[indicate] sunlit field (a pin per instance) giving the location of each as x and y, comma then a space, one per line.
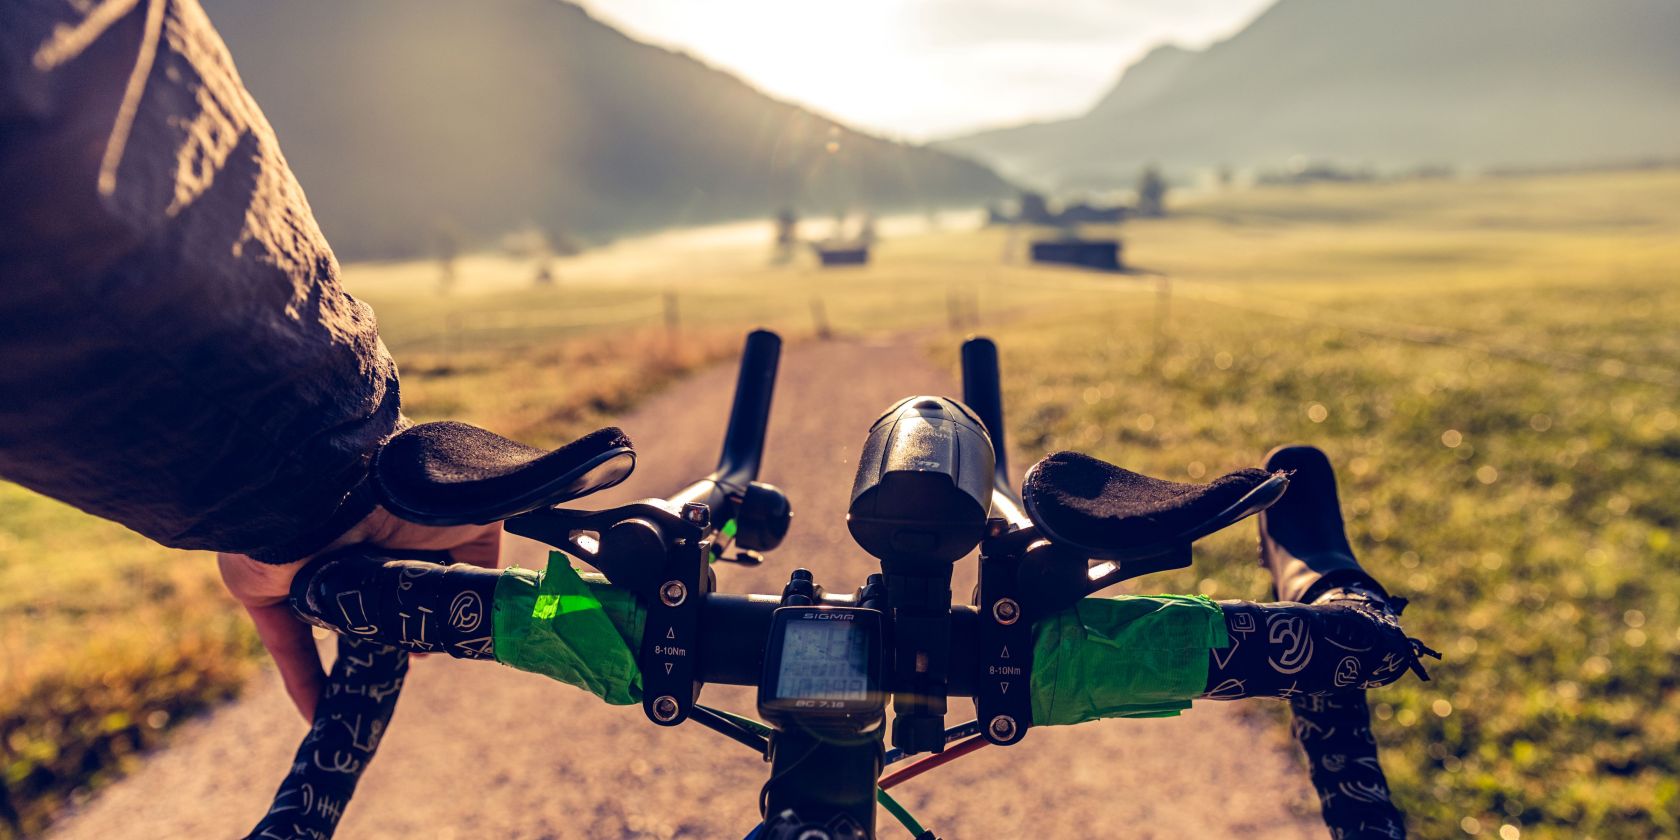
1494, 375
1491, 364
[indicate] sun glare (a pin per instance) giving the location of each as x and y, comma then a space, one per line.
926, 68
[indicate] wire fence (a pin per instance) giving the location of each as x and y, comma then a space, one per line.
471, 329
508, 326
1166, 288
1562, 360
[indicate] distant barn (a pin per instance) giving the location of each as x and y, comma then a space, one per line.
1099, 254
851, 253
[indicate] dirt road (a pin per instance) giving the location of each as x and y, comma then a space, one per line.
478, 751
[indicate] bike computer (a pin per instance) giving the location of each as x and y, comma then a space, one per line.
822, 669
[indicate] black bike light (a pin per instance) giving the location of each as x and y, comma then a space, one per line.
920, 501
924, 483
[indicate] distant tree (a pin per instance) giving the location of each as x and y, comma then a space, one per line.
545, 274
787, 234
1035, 209
1152, 193
866, 229
1227, 176
838, 232
534, 243
562, 243
446, 245
787, 226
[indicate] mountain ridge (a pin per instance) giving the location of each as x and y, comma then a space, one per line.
418, 125
1498, 82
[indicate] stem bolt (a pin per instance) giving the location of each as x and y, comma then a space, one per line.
697, 514
1002, 727
665, 708
1006, 611
673, 593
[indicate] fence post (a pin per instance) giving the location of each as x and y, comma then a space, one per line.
1163, 311
451, 337
671, 318
819, 315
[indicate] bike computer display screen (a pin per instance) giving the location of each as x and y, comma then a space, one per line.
823, 662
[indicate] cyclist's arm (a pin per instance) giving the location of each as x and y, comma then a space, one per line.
176, 353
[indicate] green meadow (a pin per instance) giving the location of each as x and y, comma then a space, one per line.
1493, 368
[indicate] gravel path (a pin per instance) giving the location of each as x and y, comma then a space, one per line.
481, 751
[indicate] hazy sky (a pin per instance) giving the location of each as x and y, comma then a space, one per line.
923, 68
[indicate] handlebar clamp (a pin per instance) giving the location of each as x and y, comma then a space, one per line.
620, 543
1003, 666
671, 638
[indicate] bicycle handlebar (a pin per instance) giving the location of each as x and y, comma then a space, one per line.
376, 598
351, 715
383, 609
369, 600
743, 439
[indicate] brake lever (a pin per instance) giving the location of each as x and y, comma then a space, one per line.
744, 557
1109, 572
625, 543
1054, 577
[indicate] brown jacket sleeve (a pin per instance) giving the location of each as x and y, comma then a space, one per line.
176, 353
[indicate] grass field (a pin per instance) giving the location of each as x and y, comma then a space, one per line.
1492, 365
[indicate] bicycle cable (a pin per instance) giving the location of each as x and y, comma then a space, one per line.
955, 733
933, 761
756, 728
734, 730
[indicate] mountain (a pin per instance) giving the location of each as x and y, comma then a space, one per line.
1392, 84
410, 122
1145, 81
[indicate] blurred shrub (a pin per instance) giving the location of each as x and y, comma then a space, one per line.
103, 677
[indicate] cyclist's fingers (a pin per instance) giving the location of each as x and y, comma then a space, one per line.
254, 583
483, 550
292, 645
381, 528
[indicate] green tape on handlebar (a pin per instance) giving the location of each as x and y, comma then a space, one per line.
574, 628
1133, 656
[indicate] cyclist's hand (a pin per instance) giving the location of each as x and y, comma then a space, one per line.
263, 587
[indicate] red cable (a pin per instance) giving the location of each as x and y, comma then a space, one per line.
933, 761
